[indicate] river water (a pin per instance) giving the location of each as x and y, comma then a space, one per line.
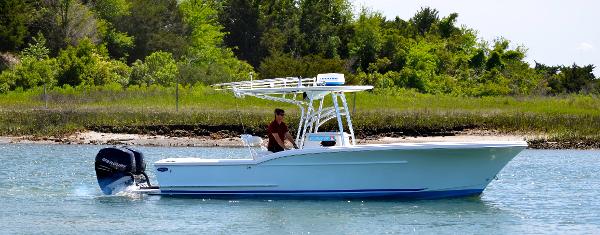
51, 189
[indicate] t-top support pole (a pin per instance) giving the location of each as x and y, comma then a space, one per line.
298, 142
339, 116
348, 118
318, 121
306, 118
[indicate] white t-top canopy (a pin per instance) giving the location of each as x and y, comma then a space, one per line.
287, 90
313, 90
289, 85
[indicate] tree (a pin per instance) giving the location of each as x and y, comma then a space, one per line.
425, 19
446, 25
118, 43
367, 41
575, 78
280, 25
323, 24
110, 13
396, 43
162, 68
525, 80
38, 49
478, 60
549, 74
206, 50
15, 15
420, 68
156, 25
545, 69
110, 10
88, 64
158, 68
67, 22
35, 68
494, 61
240, 18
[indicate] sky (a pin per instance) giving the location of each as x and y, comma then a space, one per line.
556, 32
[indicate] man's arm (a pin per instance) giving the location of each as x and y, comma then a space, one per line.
289, 137
278, 140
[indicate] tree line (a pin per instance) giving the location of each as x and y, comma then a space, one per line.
145, 42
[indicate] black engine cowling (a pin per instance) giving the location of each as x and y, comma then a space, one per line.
140, 165
118, 168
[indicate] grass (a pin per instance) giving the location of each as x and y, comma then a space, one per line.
203, 110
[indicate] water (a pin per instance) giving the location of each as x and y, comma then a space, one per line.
51, 189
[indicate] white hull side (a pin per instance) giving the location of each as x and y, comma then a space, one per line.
377, 171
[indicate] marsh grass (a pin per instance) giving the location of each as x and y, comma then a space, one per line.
376, 113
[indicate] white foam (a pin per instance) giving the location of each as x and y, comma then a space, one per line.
131, 191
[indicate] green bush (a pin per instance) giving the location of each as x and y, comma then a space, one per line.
379, 81
89, 64
32, 72
410, 78
34, 69
139, 71
7, 80
158, 68
492, 83
109, 72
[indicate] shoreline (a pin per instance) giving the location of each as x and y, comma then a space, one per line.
102, 138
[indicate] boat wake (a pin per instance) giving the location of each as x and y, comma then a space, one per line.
131, 191
84, 191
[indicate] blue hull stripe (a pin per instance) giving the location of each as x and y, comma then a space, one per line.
296, 191
366, 193
334, 83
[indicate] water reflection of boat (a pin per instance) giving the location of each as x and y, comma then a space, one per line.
316, 169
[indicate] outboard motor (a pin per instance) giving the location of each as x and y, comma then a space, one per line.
118, 168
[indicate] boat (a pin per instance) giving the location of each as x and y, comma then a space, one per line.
327, 164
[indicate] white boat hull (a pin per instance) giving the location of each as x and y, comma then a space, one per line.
427, 170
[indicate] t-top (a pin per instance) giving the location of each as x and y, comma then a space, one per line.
280, 129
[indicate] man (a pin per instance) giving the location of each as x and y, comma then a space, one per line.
278, 133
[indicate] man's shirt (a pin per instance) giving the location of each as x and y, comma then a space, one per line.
280, 129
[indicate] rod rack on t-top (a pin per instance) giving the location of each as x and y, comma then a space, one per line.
304, 93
